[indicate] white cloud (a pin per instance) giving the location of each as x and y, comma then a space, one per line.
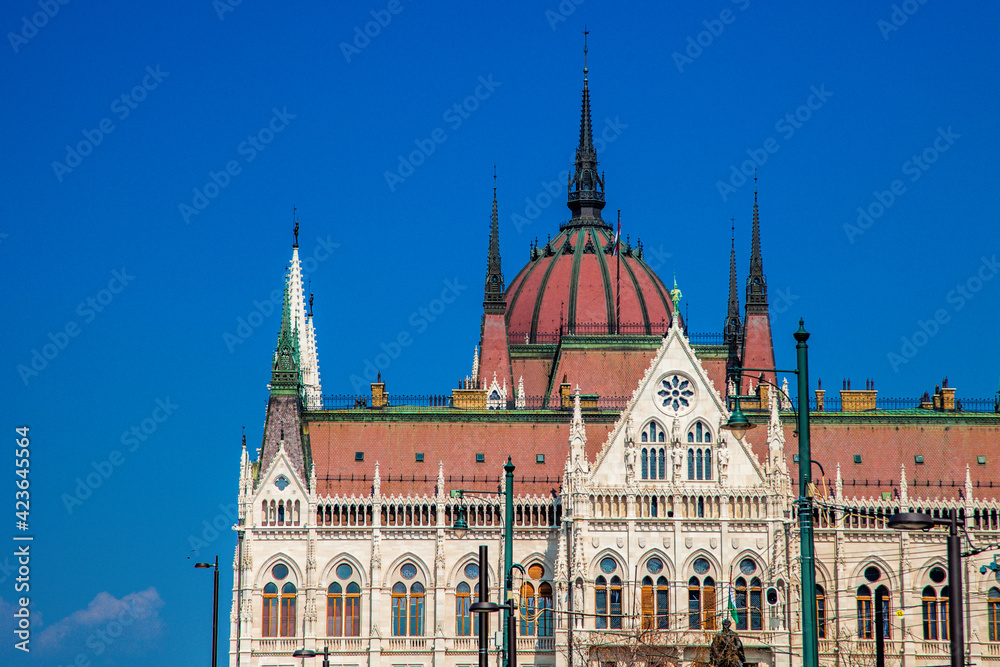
106, 627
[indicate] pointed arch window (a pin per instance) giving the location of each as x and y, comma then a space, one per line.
335, 610
701, 603
601, 603
545, 610
820, 612
756, 605
655, 601
270, 613
463, 617
417, 610
741, 604
700, 454
399, 607
935, 613
654, 459
866, 617
286, 625
993, 614
527, 609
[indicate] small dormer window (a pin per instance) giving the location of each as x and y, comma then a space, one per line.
281, 482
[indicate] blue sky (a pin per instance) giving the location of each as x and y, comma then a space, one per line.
120, 115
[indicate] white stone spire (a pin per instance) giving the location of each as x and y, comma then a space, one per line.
302, 323
475, 366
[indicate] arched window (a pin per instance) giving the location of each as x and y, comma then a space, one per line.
286, 626
335, 610
756, 605
699, 470
615, 604
662, 459
352, 615
701, 601
645, 463
708, 464
866, 617
343, 612
690, 464
741, 604
545, 610
820, 612
993, 614
417, 610
527, 609
882, 598
270, 625
463, 617
399, 609
930, 612
865, 621
655, 603
601, 603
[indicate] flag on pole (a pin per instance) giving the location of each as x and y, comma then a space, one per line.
617, 236
732, 603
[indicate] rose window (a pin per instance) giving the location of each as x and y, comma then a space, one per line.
676, 393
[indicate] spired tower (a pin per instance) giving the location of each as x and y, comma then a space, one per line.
758, 348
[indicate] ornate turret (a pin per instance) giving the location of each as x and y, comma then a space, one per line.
285, 376
586, 186
494, 353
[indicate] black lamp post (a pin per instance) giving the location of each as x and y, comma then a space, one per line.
309, 653
215, 610
956, 625
484, 607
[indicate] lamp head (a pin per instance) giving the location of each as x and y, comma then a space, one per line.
738, 423
910, 521
304, 653
203, 565
461, 526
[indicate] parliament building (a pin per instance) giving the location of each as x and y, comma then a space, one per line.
639, 522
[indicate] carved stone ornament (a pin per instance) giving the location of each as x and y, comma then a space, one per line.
666, 543
621, 541
642, 542
736, 543
595, 541
714, 542
688, 542
761, 541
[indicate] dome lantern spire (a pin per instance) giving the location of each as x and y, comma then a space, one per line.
586, 187
494, 301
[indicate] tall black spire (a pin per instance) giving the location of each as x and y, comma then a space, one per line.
756, 281
586, 186
493, 301
732, 331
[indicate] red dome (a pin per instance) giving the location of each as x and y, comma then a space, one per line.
568, 287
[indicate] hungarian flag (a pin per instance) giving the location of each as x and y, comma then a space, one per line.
617, 236
732, 603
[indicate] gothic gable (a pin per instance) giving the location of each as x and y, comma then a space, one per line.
670, 430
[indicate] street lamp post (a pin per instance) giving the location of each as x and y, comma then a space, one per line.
215, 610
739, 425
956, 626
461, 527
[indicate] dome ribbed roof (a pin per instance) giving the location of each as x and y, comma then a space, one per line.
568, 287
